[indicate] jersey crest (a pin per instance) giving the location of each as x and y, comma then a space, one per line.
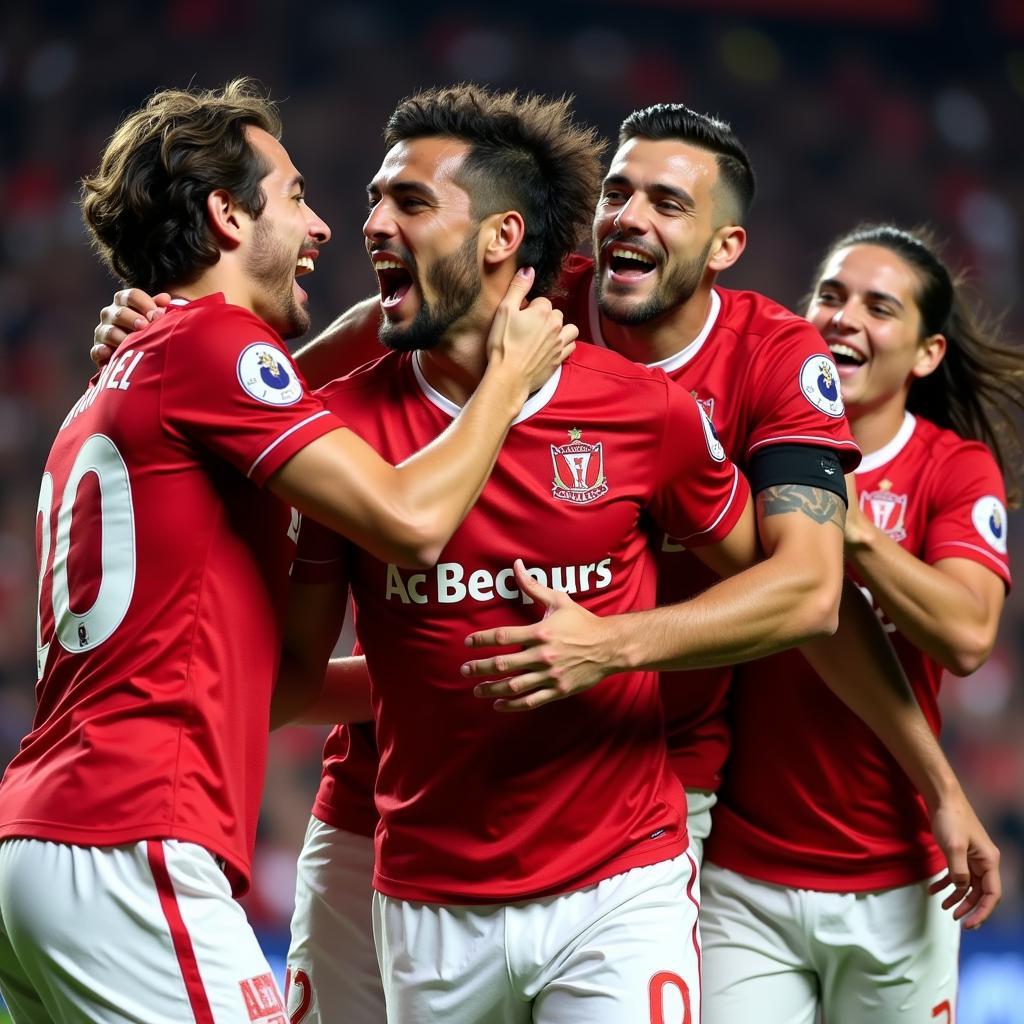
266, 374
989, 518
819, 382
887, 510
578, 470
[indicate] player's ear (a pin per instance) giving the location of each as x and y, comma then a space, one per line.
225, 217
930, 352
727, 245
501, 235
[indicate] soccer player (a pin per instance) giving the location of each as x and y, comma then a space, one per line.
128, 816
527, 867
816, 891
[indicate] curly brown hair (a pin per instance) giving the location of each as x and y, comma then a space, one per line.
145, 207
526, 154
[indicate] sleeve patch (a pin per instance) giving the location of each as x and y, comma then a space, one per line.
267, 375
819, 382
715, 449
989, 518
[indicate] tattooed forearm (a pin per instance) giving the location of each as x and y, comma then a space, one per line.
820, 505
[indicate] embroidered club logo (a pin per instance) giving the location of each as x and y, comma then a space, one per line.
579, 470
262, 1001
715, 448
989, 518
887, 510
266, 374
819, 382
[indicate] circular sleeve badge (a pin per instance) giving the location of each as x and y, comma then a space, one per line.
268, 375
989, 518
819, 382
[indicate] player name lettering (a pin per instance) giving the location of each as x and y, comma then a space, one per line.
116, 376
448, 582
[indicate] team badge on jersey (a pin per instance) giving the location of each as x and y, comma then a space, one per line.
887, 510
715, 448
266, 374
819, 381
989, 518
579, 470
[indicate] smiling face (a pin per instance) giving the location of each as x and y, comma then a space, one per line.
654, 228
865, 306
285, 242
422, 238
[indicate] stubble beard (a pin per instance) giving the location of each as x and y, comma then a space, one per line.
456, 281
670, 294
272, 265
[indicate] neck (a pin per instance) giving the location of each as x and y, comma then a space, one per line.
874, 428
456, 366
218, 278
663, 337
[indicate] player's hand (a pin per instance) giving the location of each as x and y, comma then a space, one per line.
857, 525
563, 654
972, 863
528, 341
131, 310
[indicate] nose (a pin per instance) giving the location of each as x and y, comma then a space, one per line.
318, 229
845, 318
379, 223
632, 216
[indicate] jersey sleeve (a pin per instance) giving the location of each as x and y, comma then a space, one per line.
230, 386
967, 511
700, 494
796, 395
321, 555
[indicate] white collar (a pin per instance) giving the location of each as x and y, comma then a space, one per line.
876, 459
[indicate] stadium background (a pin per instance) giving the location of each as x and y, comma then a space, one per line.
908, 110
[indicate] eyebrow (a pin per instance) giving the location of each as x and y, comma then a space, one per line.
297, 180
659, 187
878, 296
404, 188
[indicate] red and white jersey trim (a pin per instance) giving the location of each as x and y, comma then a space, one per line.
288, 433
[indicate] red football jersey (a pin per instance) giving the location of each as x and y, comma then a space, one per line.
764, 376
478, 806
163, 571
812, 798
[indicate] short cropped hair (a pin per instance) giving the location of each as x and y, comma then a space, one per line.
526, 153
675, 121
145, 206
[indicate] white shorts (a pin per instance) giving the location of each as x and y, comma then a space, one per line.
624, 950
147, 932
332, 966
698, 820
775, 955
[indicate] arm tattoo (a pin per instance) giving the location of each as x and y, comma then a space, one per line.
814, 502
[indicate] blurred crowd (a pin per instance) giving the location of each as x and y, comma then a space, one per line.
915, 120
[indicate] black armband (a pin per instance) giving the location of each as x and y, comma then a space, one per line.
797, 464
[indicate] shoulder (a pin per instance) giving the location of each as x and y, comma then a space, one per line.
755, 317
599, 363
364, 383
943, 448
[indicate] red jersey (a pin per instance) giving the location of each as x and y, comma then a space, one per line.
764, 377
478, 806
812, 798
163, 572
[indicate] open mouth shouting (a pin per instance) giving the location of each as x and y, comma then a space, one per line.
304, 265
627, 263
393, 277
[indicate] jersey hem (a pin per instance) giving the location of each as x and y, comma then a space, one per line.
464, 897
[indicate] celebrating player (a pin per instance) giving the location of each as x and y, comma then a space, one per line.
129, 813
816, 894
